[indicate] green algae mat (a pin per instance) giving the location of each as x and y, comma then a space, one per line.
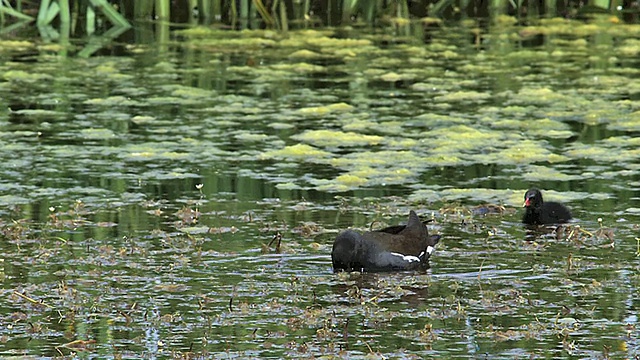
181, 201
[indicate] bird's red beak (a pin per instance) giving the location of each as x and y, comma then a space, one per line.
527, 202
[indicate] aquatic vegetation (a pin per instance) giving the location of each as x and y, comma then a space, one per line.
331, 138
198, 186
23, 76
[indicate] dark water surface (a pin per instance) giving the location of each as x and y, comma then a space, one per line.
112, 249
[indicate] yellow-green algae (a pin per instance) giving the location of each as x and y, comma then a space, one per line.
365, 124
438, 120
393, 77
631, 122
172, 100
300, 68
523, 152
536, 127
458, 138
383, 158
333, 138
621, 141
350, 180
629, 48
304, 54
325, 109
605, 154
112, 101
324, 42
365, 176
287, 186
15, 45
539, 96
97, 134
23, 76
509, 197
298, 151
37, 113
251, 137
142, 119
192, 92
546, 173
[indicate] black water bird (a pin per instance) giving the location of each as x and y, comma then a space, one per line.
538, 212
396, 248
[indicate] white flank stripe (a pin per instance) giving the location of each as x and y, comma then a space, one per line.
409, 258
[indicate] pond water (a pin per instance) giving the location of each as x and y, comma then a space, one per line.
141, 193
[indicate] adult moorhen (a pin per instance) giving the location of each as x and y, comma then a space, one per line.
396, 248
538, 212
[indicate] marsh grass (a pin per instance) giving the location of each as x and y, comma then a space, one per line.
284, 14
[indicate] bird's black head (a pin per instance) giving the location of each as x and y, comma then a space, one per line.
532, 198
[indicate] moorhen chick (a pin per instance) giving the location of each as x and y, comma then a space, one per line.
398, 248
538, 212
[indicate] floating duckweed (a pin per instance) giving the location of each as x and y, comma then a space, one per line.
108, 68
351, 180
386, 158
450, 54
630, 47
329, 185
400, 21
324, 42
553, 134
9, 45
454, 139
300, 38
495, 196
192, 92
504, 123
432, 120
287, 186
622, 141
142, 119
247, 136
525, 152
332, 138
589, 151
112, 101
505, 20
199, 31
304, 54
296, 151
148, 155
383, 176
36, 113
542, 127
231, 44
170, 100
628, 123
544, 173
12, 200
391, 77
321, 110
195, 230
301, 68
431, 20
169, 175
29, 77
281, 126
401, 143
386, 127
539, 96
527, 56
97, 134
